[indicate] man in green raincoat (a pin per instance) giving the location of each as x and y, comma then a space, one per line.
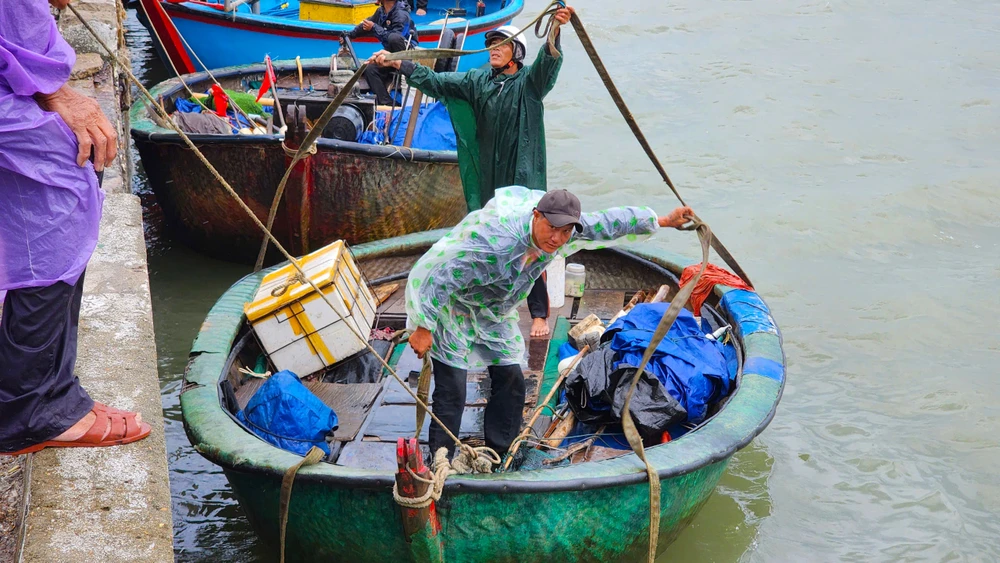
462, 295
498, 118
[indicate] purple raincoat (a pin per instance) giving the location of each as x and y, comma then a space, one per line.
50, 208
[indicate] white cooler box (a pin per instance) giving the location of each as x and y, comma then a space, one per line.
297, 328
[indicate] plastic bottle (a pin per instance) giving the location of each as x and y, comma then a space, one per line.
555, 280
576, 277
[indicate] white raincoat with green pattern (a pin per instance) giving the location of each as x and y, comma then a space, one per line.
466, 288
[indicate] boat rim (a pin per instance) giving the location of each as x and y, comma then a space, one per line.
143, 128
749, 410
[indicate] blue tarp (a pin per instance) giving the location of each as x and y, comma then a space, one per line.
434, 131
695, 370
287, 414
187, 106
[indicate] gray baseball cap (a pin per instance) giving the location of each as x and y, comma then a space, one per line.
561, 208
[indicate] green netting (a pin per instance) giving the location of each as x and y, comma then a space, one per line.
246, 102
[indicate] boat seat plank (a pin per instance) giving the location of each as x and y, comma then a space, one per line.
477, 390
605, 303
351, 402
532, 380
395, 304
399, 421
408, 362
246, 391
380, 456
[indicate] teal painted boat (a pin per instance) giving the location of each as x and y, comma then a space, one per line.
343, 510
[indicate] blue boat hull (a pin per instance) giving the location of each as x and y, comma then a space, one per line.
194, 36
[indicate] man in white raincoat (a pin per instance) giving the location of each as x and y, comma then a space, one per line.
461, 296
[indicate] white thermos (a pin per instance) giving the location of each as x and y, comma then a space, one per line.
555, 281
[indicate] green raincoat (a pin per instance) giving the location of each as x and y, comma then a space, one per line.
498, 121
466, 288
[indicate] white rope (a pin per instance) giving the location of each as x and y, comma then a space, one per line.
469, 460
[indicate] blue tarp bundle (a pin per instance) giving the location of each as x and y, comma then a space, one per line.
287, 414
187, 106
695, 370
434, 131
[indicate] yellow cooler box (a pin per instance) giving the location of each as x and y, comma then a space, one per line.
297, 328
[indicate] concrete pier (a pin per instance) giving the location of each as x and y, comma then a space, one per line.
108, 504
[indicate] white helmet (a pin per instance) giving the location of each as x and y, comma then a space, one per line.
503, 32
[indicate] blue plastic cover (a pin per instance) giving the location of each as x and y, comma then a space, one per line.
566, 351
434, 131
694, 369
186, 106
288, 415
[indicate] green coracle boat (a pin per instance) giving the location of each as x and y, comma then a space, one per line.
588, 511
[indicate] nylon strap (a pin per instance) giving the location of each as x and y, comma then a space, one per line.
423, 391
631, 432
602, 71
313, 456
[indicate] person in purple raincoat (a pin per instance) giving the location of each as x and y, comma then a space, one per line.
54, 142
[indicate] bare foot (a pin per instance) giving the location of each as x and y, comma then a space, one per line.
421, 12
539, 327
81, 427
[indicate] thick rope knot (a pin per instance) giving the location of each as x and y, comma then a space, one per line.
473, 460
290, 153
468, 460
292, 280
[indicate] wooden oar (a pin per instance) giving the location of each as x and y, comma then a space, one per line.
541, 406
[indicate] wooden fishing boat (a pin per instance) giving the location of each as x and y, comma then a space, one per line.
347, 190
343, 509
192, 33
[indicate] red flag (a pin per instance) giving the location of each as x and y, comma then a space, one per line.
221, 100
269, 78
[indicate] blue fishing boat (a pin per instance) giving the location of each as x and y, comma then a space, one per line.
195, 34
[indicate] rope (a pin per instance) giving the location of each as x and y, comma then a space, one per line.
303, 152
210, 111
292, 280
225, 184
480, 459
252, 373
292, 152
551, 28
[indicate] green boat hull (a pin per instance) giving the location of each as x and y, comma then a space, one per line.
595, 511
342, 524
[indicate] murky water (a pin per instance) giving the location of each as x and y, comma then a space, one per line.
847, 154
